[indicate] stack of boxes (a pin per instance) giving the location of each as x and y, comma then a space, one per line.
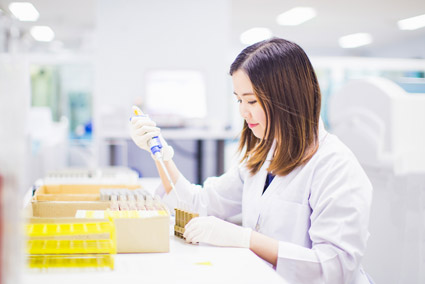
79, 196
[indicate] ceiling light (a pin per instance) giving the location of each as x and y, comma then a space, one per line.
296, 16
255, 35
24, 11
42, 33
412, 23
355, 40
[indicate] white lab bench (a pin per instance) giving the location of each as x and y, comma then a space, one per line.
185, 263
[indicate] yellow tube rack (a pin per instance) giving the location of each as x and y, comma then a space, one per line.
71, 229
70, 246
71, 261
45, 242
182, 218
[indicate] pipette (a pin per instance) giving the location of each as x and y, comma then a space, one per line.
155, 147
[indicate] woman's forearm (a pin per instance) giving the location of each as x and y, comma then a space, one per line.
173, 172
265, 247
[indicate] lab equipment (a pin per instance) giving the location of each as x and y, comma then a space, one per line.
131, 203
155, 148
167, 92
122, 199
384, 126
381, 123
140, 202
114, 203
134, 234
182, 218
92, 261
71, 245
155, 143
106, 175
51, 238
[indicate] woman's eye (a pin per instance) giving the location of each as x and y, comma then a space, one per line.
252, 102
238, 101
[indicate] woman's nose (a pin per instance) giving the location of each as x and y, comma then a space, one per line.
243, 112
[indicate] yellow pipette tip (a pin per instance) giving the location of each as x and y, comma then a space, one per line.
208, 263
137, 111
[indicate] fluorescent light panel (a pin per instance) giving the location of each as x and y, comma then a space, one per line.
24, 11
255, 35
296, 16
355, 40
413, 23
42, 33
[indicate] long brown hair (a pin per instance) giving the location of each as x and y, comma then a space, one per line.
287, 89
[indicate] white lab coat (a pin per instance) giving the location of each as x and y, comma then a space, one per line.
319, 212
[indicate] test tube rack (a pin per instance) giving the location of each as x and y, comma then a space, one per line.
182, 218
71, 245
47, 241
75, 261
131, 200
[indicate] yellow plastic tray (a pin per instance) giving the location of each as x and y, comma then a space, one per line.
70, 261
50, 230
71, 246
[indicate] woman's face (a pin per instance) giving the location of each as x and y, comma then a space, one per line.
249, 107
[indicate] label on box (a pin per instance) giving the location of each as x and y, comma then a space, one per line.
105, 214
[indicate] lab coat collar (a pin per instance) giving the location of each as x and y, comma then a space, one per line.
322, 130
271, 152
279, 182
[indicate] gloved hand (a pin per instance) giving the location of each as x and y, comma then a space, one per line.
142, 130
214, 231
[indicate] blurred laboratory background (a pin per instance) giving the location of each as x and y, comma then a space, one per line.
70, 71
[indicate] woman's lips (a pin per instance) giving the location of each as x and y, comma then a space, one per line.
252, 125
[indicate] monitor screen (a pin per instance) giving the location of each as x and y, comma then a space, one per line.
175, 93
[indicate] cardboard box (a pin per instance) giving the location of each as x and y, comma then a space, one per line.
80, 188
59, 209
66, 197
134, 235
75, 192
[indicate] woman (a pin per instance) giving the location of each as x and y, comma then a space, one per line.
304, 198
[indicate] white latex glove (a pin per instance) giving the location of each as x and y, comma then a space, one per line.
142, 130
214, 231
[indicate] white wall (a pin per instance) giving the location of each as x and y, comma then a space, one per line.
136, 36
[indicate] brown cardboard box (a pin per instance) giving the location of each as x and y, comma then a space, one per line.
79, 188
58, 209
134, 235
66, 197
74, 192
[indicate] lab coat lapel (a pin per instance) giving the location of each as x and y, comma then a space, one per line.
278, 185
254, 193
252, 197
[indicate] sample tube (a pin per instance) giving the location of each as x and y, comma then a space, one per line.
149, 203
122, 201
114, 203
131, 202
